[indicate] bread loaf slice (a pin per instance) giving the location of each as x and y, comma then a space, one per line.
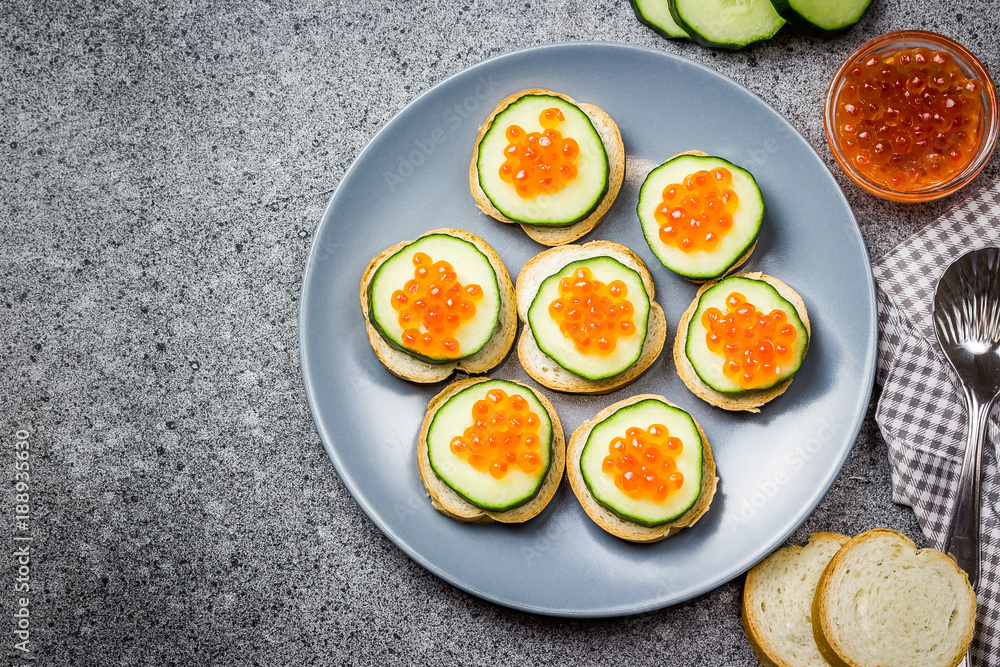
777, 602
881, 601
611, 137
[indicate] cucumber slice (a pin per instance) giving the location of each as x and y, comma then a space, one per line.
481, 488
825, 16
727, 24
552, 341
701, 265
644, 414
708, 364
571, 204
471, 267
656, 15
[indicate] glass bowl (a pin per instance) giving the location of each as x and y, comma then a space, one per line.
987, 132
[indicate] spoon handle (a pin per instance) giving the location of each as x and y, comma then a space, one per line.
962, 543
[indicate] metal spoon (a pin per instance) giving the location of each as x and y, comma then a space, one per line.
967, 324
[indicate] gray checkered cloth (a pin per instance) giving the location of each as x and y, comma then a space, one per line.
921, 413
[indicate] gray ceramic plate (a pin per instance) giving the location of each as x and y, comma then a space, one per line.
774, 467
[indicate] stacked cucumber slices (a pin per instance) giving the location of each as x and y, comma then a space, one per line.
471, 267
733, 24
578, 199
656, 14
735, 245
825, 16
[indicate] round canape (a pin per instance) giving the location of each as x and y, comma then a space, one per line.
741, 341
701, 215
548, 163
591, 324
491, 450
437, 304
642, 469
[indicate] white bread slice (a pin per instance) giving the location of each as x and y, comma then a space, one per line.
610, 521
541, 367
881, 601
611, 137
449, 503
749, 401
777, 602
410, 368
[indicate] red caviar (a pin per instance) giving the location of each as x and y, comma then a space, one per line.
754, 345
503, 435
540, 162
433, 306
592, 314
644, 463
696, 214
909, 119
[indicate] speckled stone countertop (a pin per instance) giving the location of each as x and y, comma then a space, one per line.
162, 169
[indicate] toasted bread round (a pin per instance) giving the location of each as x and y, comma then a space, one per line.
749, 401
777, 602
614, 148
449, 503
882, 601
610, 521
541, 367
410, 368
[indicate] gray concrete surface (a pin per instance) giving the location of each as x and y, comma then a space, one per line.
162, 168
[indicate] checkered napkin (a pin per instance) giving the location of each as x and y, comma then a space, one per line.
921, 413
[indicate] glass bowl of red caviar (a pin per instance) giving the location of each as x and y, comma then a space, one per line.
911, 116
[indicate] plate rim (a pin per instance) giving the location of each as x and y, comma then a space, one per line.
742, 565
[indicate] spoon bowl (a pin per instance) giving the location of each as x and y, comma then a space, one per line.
967, 320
